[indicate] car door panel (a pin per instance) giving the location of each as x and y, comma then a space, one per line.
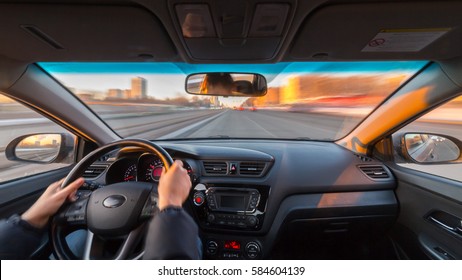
428, 206
18, 195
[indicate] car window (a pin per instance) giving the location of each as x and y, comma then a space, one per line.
427, 145
17, 120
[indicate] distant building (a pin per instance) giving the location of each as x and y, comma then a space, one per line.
271, 98
214, 101
139, 88
127, 93
301, 88
89, 94
115, 93
291, 91
85, 96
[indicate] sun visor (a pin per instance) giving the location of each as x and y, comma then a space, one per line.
82, 33
378, 31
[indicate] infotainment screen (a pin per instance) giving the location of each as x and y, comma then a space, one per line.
232, 201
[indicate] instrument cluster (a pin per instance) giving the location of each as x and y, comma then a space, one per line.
143, 168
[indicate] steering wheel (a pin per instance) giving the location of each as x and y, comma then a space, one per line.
114, 213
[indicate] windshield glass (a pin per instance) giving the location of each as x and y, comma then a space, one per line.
305, 100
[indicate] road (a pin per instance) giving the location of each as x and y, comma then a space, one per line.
271, 124
165, 124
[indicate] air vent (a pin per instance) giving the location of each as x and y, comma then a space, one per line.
375, 171
363, 158
251, 168
215, 167
94, 171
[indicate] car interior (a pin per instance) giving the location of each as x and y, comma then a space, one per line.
335, 195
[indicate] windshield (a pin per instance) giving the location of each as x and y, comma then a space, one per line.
305, 100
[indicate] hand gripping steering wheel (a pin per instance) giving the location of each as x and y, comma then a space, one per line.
114, 214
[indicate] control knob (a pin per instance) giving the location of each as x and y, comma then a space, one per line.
252, 221
211, 218
252, 250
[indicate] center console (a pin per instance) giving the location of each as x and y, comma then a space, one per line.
234, 209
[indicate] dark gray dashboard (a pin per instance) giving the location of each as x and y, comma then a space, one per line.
303, 184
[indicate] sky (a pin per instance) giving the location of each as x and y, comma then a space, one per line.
168, 79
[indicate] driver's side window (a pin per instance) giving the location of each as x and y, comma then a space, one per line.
30, 143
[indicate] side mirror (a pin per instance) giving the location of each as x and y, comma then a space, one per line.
430, 148
226, 84
41, 148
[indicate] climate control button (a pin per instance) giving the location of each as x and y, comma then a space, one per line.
252, 250
211, 247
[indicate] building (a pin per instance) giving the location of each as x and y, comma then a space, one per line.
127, 93
114, 93
214, 101
290, 92
271, 98
139, 88
299, 88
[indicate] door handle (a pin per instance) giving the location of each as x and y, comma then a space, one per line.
447, 222
454, 229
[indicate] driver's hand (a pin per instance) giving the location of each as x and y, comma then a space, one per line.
49, 202
174, 186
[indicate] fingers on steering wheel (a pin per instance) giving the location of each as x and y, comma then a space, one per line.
70, 190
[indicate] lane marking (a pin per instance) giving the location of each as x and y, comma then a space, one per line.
273, 135
186, 129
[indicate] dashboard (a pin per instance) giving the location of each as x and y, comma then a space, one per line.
260, 199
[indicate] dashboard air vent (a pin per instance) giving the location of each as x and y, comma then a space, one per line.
94, 171
251, 168
375, 171
215, 167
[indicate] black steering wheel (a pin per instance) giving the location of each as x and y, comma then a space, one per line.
114, 213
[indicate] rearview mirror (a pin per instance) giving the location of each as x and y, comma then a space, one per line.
226, 84
429, 148
40, 148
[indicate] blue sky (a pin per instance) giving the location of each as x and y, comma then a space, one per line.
167, 79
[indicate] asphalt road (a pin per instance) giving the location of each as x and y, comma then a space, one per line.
270, 124
162, 124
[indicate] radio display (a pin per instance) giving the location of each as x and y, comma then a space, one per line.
232, 245
232, 201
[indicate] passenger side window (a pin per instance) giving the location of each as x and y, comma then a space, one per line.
433, 143
39, 144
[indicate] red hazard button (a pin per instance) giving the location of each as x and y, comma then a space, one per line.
199, 199
232, 168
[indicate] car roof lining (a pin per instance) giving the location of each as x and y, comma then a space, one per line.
107, 31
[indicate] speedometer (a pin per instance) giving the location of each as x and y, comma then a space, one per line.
154, 170
149, 168
130, 173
